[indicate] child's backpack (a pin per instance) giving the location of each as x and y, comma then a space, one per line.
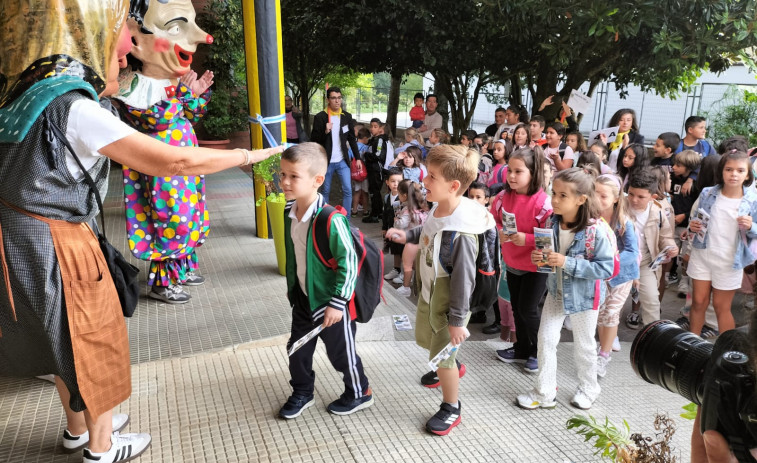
487, 269
561, 149
370, 263
591, 234
483, 174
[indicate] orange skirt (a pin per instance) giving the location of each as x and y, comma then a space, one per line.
97, 328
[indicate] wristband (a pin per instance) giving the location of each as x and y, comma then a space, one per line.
247, 157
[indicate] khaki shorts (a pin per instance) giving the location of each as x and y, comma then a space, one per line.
432, 333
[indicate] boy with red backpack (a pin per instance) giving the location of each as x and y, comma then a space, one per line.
320, 295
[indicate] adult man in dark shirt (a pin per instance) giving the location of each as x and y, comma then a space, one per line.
334, 129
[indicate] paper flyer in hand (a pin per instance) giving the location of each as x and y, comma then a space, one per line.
610, 132
509, 225
402, 322
660, 258
704, 218
445, 353
304, 340
545, 243
579, 102
635, 294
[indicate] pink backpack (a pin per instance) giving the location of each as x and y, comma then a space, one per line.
591, 234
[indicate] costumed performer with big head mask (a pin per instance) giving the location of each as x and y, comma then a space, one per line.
59, 309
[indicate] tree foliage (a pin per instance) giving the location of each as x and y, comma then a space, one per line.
544, 47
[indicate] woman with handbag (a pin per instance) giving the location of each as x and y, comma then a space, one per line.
59, 308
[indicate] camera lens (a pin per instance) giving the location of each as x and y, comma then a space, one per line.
670, 357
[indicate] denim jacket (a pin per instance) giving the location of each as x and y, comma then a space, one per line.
747, 206
582, 287
628, 247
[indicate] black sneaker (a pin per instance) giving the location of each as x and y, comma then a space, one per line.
478, 317
194, 279
445, 419
430, 379
295, 405
494, 328
172, 294
370, 219
348, 405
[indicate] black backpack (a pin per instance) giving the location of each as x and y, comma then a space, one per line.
487, 270
370, 265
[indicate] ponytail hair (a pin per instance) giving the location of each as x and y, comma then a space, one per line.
581, 181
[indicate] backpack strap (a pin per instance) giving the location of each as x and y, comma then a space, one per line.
321, 231
561, 149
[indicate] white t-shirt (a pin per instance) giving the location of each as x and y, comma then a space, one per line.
566, 239
336, 143
299, 232
639, 222
723, 232
548, 152
90, 127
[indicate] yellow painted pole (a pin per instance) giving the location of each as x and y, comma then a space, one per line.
253, 97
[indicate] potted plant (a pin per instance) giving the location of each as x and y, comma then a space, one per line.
228, 109
267, 192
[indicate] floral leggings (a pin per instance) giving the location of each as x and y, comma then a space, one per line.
615, 299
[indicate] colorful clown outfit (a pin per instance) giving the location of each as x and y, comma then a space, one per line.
166, 218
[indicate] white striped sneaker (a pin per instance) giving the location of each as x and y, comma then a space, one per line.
72, 443
123, 447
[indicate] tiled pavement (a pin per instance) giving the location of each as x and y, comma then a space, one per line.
209, 376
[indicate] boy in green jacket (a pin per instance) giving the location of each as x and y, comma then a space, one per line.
319, 295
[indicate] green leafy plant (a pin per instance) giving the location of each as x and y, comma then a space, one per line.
734, 114
266, 171
609, 439
690, 411
618, 445
227, 110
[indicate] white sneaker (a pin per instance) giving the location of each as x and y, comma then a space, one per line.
581, 400
616, 344
602, 365
404, 291
392, 275
530, 401
566, 324
49, 378
72, 443
399, 279
123, 447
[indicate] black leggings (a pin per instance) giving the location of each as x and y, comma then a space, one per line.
525, 293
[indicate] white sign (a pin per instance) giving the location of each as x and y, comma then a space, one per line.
611, 133
579, 102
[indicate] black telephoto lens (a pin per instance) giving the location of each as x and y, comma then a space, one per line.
670, 357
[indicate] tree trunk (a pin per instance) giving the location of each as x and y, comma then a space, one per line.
516, 91
305, 96
392, 106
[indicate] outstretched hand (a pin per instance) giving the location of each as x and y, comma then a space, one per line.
198, 86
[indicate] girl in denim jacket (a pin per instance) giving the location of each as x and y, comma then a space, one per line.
584, 256
721, 249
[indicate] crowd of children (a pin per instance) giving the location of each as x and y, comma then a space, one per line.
579, 229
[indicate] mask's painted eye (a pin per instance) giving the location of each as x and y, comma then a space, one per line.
174, 30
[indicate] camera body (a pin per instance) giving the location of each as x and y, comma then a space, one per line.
729, 402
720, 378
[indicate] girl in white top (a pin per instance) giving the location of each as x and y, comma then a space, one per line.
721, 245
